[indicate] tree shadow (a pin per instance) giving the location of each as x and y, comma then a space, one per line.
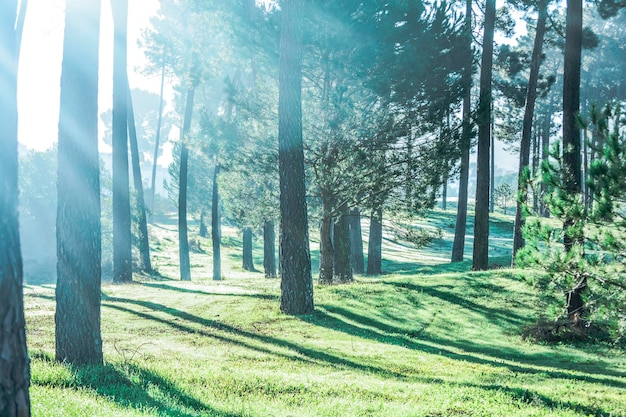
268, 297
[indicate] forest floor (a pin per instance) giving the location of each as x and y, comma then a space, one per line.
427, 339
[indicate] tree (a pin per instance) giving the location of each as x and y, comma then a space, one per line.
295, 259
14, 364
503, 195
481, 218
77, 317
122, 253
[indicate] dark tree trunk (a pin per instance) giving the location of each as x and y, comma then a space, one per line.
14, 366
295, 258
216, 227
248, 260
458, 246
356, 241
144, 245
481, 218
77, 317
122, 251
157, 143
444, 193
529, 111
183, 238
203, 229
269, 249
375, 244
327, 251
341, 240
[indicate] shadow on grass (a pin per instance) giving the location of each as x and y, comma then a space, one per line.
134, 387
269, 297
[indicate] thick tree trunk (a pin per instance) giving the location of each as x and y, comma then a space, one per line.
375, 244
327, 264
77, 317
341, 241
269, 249
157, 143
122, 250
529, 111
216, 227
248, 260
183, 238
14, 367
356, 241
458, 246
295, 259
481, 218
144, 245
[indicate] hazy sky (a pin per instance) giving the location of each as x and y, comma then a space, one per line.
40, 65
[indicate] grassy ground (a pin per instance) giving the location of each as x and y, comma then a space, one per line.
429, 339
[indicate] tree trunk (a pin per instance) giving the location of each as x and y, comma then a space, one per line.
458, 246
77, 317
269, 249
481, 218
327, 262
492, 165
216, 228
157, 143
248, 260
14, 365
529, 111
203, 232
144, 245
356, 241
295, 259
545, 145
341, 240
375, 244
183, 238
444, 193
122, 251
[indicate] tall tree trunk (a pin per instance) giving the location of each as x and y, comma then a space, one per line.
527, 124
375, 244
481, 218
269, 249
216, 227
545, 145
203, 232
122, 251
458, 246
295, 258
356, 241
14, 366
444, 193
492, 166
327, 263
341, 240
77, 317
144, 245
157, 143
248, 260
183, 238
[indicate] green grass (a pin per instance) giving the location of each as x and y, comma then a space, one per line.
429, 339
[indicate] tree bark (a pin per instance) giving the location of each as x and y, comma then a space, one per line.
157, 143
216, 228
295, 258
144, 244
375, 244
14, 365
269, 249
341, 240
458, 246
203, 232
183, 238
356, 241
481, 218
327, 264
571, 106
248, 260
527, 124
122, 250
77, 318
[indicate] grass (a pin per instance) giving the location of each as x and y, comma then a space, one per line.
428, 339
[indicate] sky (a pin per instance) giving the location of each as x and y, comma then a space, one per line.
40, 66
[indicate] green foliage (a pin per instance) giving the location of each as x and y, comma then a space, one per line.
597, 234
503, 195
